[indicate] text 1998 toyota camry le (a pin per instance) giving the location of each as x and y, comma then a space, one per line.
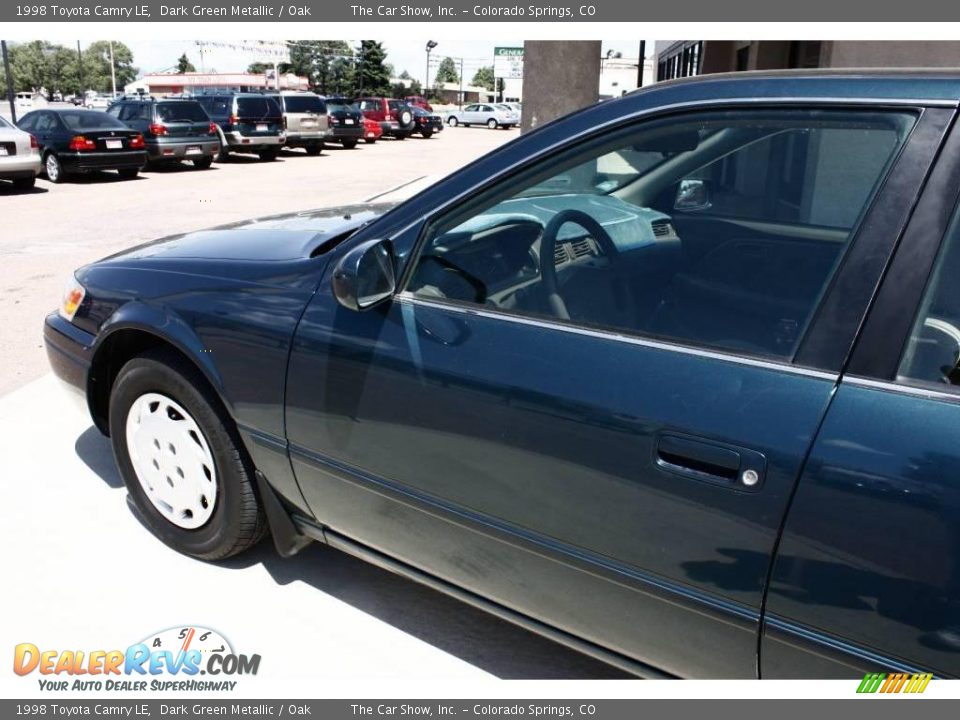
672, 380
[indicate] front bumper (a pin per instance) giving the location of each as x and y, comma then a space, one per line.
70, 352
20, 166
89, 162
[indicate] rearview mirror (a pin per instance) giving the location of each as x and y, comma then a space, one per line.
693, 196
365, 276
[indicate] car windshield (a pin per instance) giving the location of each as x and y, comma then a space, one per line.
303, 103
181, 112
90, 120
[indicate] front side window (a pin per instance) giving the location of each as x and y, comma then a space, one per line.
932, 354
716, 229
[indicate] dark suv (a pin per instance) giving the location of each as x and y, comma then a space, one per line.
345, 122
395, 116
247, 123
172, 129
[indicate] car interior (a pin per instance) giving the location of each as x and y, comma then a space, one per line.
721, 231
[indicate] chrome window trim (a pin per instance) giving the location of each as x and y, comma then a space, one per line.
903, 389
893, 103
406, 297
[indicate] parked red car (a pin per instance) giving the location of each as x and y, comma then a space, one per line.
418, 101
371, 131
395, 116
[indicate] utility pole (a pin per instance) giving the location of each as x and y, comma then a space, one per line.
82, 92
6, 70
460, 103
113, 74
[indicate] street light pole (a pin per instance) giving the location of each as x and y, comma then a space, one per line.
82, 92
431, 44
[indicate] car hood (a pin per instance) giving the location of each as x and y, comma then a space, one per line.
274, 238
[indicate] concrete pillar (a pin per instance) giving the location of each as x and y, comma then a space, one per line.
559, 76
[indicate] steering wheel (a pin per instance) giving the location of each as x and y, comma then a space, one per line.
548, 242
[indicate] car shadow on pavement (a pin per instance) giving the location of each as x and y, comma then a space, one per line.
478, 638
171, 168
8, 189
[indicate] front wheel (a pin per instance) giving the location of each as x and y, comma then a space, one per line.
492, 124
427, 134
452, 122
349, 144
181, 458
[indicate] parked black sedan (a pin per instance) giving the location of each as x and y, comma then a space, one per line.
425, 122
674, 380
76, 140
345, 122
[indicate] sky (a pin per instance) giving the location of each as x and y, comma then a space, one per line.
406, 54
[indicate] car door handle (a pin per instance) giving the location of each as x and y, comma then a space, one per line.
734, 467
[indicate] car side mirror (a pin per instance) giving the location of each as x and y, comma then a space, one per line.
693, 196
365, 276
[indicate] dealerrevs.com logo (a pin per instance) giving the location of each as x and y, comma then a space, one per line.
172, 659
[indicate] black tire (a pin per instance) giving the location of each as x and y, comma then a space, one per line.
128, 173
452, 121
314, 150
427, 134
269, 155
492, 124
369, 141
237, 522
223, 154
24, 183
348, 144
53, 169
203, 163
400, 136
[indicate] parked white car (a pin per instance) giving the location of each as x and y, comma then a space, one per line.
489, 114
97, 102
19, 156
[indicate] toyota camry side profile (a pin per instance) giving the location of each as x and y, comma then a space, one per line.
672, 380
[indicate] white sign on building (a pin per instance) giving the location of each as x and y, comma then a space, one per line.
508, 62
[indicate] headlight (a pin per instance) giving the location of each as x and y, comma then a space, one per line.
73, 295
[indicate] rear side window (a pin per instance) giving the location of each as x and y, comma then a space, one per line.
718, 230
217, 106
933, 350
91, 120
303, 103
369, 105
258, 107
181, 112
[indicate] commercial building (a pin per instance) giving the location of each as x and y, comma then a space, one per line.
175, 83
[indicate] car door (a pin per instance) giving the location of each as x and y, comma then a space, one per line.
537, 419
471, 114
867, 576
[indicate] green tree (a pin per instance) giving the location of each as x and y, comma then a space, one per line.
484, 78
96, 65
40, 64
373, 77
259, 68
404, 75
447, 72
184, 65
327, 64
